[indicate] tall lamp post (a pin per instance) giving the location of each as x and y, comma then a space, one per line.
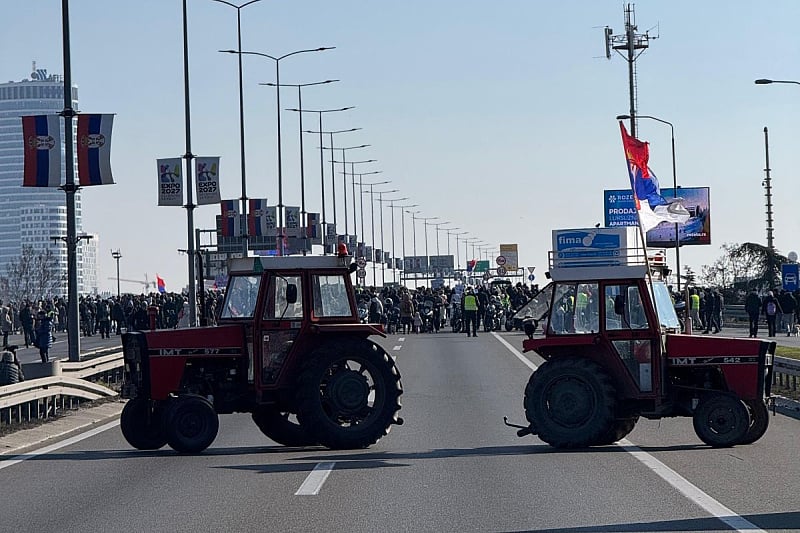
344, 176
674, 191
243, 217
116, 254
372, 216
277, 60
383, 246
458, 255
427, 255
322, 160
303, 218
393, 265
402, 209
353, 175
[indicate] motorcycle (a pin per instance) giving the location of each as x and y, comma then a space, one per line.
456, 320
427, 316
491, 319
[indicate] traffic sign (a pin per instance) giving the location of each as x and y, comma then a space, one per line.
501, 260
362, 262
501, 271
790, 272
361, 273
531, 277
531, 269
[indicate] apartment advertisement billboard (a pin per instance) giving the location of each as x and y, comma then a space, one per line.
620, 210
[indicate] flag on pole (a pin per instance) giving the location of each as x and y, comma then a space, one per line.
650, 205
42, 138
312, 227
94, 149
471, 265
230, 225
257, 217
162, 287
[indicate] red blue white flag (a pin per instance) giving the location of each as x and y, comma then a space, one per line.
312, 227
260, 218
94, 149
162, 287
650, 205
42, 138
230, 225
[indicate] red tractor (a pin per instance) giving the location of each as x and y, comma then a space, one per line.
614, 352
288, 348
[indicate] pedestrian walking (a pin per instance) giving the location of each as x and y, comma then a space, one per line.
44, 335
752, 305
5, 323
771, 307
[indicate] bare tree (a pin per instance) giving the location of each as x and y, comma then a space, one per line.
32, 276
753, 262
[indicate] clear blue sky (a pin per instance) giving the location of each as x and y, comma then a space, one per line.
498, 117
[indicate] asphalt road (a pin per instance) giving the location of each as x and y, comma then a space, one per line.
453, 466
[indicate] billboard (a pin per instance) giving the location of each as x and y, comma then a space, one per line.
415, 264
619, 210
509, 253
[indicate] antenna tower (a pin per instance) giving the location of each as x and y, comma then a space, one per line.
629, 45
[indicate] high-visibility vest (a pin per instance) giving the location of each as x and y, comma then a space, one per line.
694, 301
470, 303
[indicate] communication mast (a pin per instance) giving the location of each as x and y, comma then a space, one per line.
629, 45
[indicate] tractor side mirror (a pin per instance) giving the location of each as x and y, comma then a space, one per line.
291, 293
619, 304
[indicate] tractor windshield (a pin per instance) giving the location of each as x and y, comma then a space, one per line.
666, 309
537, 307
241, 296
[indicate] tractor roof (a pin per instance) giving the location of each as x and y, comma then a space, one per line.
289, 262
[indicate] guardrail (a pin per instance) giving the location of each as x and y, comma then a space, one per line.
77, 381
785, 372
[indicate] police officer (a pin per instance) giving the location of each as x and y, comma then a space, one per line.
469, 306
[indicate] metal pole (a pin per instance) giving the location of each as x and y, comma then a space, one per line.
372, 216
70, 189
322, 185
333, 182
188, 156
394, 258
353, 176
243, 218
280, 166
383, 249
303, 218
403, 243
344, 195
677, 229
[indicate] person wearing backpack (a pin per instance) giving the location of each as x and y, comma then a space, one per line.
771, 308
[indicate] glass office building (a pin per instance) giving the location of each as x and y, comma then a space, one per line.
36, 216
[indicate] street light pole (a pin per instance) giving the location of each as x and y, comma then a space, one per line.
303, 217
674, 191
353, 175
372, 216
344, 177
277, 60
394, 257
116, 254
383, 248
243, 216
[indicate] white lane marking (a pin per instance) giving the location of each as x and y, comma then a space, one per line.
693, 493
316, 478
516, 352
57, 446
396, 348
401, 339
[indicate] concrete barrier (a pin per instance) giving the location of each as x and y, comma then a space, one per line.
41, 370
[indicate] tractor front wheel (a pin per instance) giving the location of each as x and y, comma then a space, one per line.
190, 423
349, 394
759, 421
279, 426
141, 426
721, 420
571, 402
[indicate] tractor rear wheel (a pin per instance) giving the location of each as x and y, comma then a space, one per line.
141, 427
759, 421
721, 420
278, 426
621, 428
190, 423
571, 403
349, 394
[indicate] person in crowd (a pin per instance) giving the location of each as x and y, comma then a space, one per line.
10, 369
5, 323
694, 309
470, 307
26, 320
752, 305
788, 307
44, 335
406, 312
375, 310
103, 318
771, 307
714, 305
417, 321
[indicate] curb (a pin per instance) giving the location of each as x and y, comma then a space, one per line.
59, 428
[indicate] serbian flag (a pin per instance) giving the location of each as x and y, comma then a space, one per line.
312, 225
94, 149
650, 205
230, 219
162, 287
471, 265
257, 218
42, 138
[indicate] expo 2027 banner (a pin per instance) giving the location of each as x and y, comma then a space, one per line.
620, 210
